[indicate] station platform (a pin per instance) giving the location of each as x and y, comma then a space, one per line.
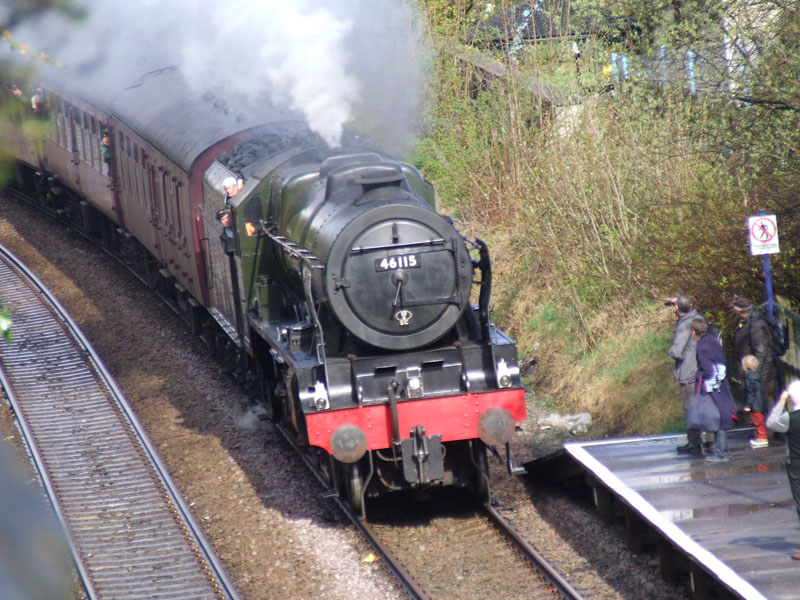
732, 526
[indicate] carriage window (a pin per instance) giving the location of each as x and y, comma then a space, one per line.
151, 192
59, 121
97, 156
80, 135
52, 116
123, 171
88, 155
132, 169
67, 128
141, 193
178, 207
77, 125
164, 197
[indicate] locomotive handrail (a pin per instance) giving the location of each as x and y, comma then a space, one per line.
308, 259
360, 249
428, 302
317, 325
291, 247
485, 265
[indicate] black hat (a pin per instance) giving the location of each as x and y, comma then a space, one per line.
742, 303
221, 213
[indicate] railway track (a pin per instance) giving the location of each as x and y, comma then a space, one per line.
552, 577
458, 551
485, 545
130, 532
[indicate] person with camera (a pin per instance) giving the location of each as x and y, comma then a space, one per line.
683, 351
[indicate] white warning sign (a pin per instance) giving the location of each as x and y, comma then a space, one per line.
763, 231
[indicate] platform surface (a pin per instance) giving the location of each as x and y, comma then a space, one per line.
735, 518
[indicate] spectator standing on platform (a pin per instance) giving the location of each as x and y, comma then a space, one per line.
754, 401
712, 379
785, 418
754, 337
684, 351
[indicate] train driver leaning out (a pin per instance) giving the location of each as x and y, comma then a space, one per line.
231, 187
226, 237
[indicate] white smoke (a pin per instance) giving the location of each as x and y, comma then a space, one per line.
339, 63
296, 52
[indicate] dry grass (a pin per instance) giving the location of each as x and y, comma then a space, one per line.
625, 382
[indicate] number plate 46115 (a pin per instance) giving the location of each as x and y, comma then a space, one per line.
399, 261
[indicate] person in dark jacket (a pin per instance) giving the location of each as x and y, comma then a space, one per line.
754, 401
226, 237
683, 351
754, 337
785, 418
712, 379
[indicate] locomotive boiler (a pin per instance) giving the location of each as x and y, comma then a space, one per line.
332, 284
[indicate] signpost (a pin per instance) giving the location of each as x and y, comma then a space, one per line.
763, 232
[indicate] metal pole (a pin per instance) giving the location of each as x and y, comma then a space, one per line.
768, 286
768, 282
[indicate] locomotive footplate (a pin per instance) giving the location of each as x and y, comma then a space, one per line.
423, 457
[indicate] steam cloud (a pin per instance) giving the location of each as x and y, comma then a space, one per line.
339, 63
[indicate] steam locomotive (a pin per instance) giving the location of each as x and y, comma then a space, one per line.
331, 284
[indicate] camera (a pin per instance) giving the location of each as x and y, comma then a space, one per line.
669, 303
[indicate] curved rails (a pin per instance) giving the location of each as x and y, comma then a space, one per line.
160, 469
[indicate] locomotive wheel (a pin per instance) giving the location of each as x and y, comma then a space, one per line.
326, 466
479, 480
354, 485
268, 398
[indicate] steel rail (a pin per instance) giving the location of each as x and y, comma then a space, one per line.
402, 575
551, 575
193, 529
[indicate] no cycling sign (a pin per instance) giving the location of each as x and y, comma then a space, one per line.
763, 232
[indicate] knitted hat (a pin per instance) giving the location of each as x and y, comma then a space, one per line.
742, 303
794, 393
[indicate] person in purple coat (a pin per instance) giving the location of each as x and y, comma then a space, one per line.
711, 378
